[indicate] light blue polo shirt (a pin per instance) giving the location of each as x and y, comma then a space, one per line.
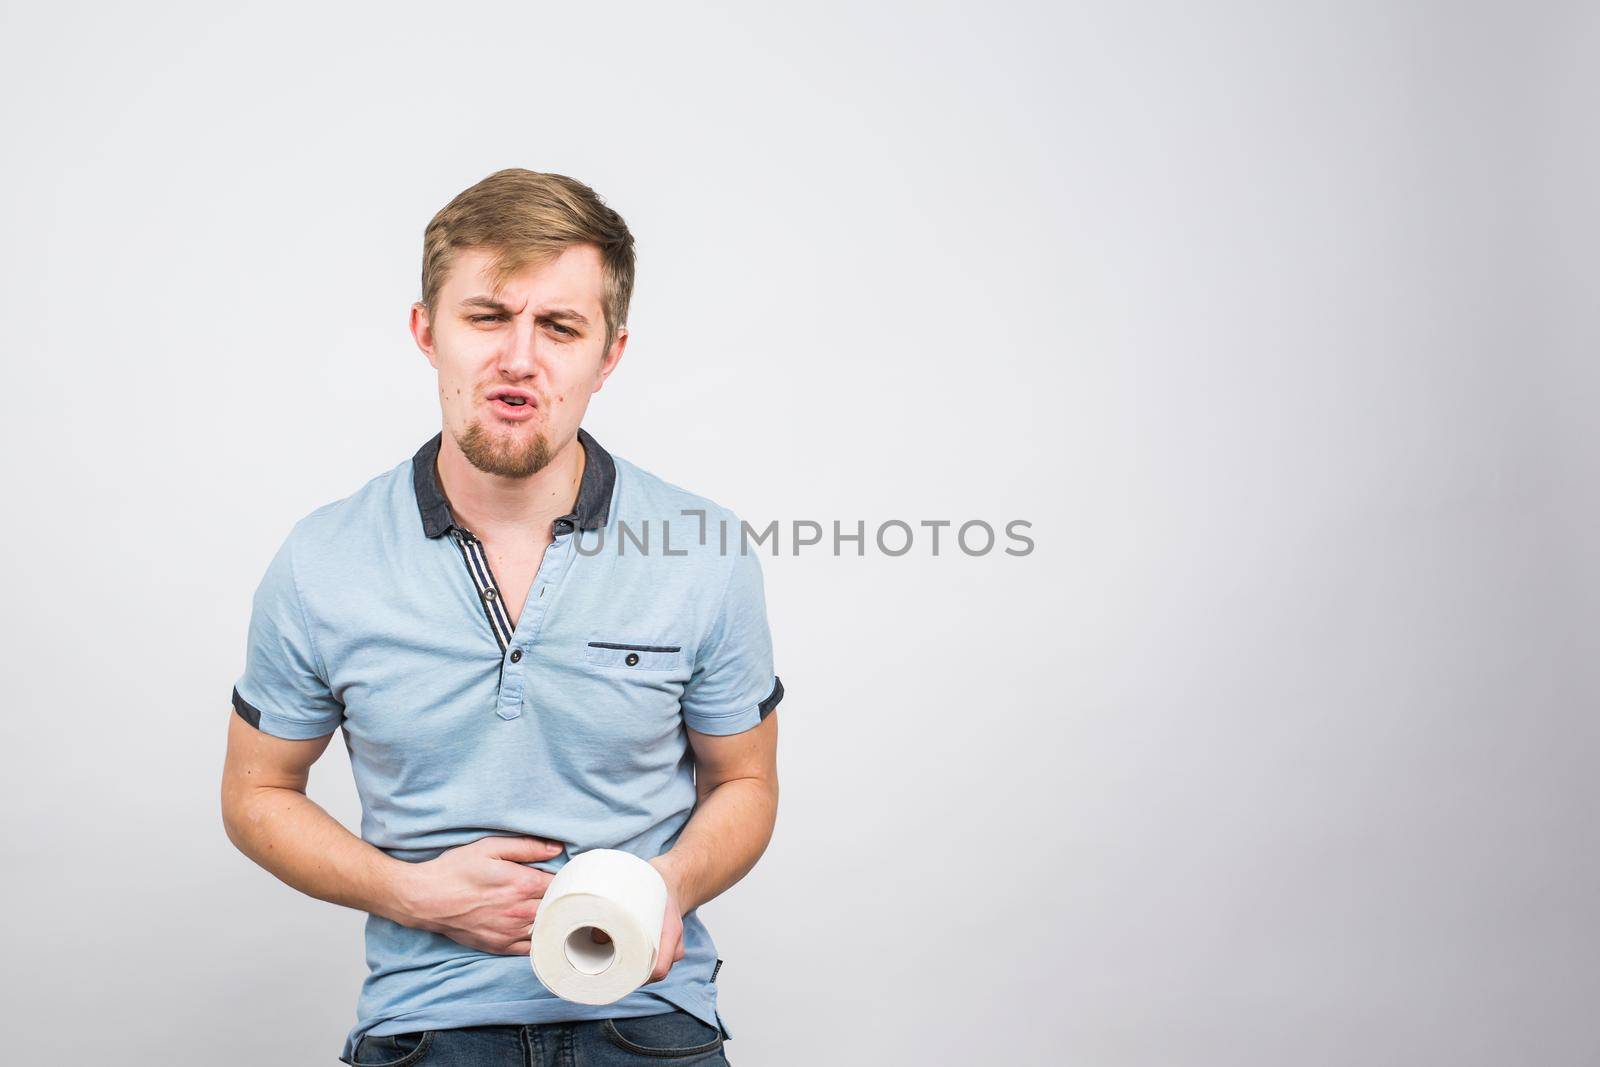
379, 614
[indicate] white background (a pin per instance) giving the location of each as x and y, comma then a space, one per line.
1275, 320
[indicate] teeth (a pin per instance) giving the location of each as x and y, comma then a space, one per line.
517, 400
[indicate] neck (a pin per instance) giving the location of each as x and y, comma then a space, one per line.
489, 504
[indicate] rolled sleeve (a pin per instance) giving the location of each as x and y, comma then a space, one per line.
733, 687
284, 690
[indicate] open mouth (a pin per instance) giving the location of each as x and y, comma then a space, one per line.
513, 404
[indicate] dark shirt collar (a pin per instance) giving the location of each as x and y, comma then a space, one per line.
590, 512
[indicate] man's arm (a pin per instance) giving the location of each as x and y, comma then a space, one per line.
269, 818
479, 894
736, 777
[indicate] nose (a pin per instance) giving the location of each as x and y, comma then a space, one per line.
519, 356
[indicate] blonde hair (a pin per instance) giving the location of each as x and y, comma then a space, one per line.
527, 218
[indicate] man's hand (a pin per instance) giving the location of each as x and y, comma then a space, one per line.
670, 950
480, 894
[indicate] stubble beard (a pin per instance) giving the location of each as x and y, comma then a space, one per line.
513, 455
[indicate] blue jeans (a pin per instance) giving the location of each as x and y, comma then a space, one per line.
673, 1038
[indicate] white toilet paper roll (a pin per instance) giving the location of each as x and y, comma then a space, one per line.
604, 889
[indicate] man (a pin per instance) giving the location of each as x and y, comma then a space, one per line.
521, 675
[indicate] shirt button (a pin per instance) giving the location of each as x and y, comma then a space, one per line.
632, 660
488, 594
516, 655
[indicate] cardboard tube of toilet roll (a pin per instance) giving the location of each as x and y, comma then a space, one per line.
602, 889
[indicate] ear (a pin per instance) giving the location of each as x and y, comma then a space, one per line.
613, 357
422, 333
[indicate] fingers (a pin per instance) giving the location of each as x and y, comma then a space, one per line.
513, 938
534, 883
669, 952
521, 849
525, 911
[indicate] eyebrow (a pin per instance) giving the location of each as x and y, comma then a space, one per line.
492, 304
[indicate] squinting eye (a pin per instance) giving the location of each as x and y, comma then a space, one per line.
564, 330
484, 318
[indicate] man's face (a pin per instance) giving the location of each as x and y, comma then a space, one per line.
540, 339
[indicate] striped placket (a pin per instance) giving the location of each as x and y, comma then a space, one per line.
478, 566
516, 638
516, 644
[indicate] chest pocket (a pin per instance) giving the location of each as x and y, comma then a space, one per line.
626, 657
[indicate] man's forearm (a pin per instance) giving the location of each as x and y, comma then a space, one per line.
727, 833
291, 836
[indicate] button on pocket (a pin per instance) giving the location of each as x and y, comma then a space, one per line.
639, 657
